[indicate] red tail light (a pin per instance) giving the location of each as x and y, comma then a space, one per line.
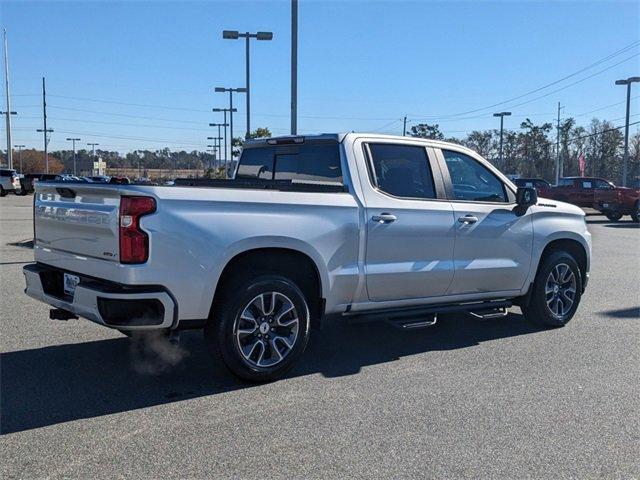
134, 242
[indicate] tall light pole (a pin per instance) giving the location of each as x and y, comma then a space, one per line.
74, 140
625, 165
294, 67
501, 115
8, 113
93, 153
19, 147
235, 35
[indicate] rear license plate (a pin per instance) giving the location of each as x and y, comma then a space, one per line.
605, 205
70, 283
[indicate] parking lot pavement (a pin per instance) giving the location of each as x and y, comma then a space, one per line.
466, 398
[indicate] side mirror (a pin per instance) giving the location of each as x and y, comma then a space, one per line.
526, 196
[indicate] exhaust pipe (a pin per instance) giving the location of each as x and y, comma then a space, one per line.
60, 314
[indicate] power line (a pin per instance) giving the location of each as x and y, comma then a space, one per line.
530, 92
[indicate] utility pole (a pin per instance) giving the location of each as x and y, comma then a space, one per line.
9, 151
8, 113
74, 140
19, 147
501, 115
225, 124
625, 164
93, 154
294, 67
558, 166
45, 131
230, 110
404, 127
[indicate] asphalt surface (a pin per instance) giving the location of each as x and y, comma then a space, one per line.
464, 399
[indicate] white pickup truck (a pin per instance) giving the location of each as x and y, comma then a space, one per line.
350, 225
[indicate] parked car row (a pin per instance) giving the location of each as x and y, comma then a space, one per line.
13, 182
590, 192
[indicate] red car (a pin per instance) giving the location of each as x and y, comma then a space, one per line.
598, 193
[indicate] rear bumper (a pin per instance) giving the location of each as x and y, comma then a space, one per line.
112, 305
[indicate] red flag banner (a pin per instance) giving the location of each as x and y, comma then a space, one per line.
581, 164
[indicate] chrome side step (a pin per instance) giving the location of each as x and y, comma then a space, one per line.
490, 313
412, 323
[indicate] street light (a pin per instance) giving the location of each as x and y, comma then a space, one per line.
235, 35
625, 164
46, 140
501, 115
19, 147
74, 140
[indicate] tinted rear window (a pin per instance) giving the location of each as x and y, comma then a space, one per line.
308, 163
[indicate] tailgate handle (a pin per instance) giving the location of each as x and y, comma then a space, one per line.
66, 192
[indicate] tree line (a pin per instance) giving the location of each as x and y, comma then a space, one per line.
527, 152
531, 151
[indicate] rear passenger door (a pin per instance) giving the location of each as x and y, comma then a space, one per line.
409, 225
493, 239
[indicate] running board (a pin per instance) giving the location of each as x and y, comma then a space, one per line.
412, 323
410, 317
488, 314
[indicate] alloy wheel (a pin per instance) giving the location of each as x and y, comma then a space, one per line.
267, 329
560, 290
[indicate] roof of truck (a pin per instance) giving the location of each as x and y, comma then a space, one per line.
335, 137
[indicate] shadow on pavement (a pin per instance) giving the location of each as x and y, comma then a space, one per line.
624, 313
61, 383
623, 225
22, 243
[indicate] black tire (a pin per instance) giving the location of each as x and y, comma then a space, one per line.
538, 311
3, 192
224, 343
635, 214
614, 216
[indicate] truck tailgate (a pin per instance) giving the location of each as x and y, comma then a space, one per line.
81, 219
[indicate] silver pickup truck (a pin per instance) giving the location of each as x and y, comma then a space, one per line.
357, 226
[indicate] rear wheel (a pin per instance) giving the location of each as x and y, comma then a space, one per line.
614, 216
3, 192
260, 328
557, 290
635, 213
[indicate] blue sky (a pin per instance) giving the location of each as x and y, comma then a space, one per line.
147, 70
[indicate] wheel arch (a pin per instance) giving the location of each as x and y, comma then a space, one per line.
293, 263
571, 246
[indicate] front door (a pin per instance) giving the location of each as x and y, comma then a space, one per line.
493, 238
410, 230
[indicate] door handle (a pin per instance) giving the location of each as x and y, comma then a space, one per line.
384, 218
468, 219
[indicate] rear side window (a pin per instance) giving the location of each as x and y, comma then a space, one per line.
306, 163
402, 170
587, 184
565, 182
310, 163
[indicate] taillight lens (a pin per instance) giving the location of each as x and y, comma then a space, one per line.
134, 242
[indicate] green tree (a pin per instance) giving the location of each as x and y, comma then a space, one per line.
424, 130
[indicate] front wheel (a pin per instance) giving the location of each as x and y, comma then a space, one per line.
614, 216
3, 192
260, 328
557, 290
